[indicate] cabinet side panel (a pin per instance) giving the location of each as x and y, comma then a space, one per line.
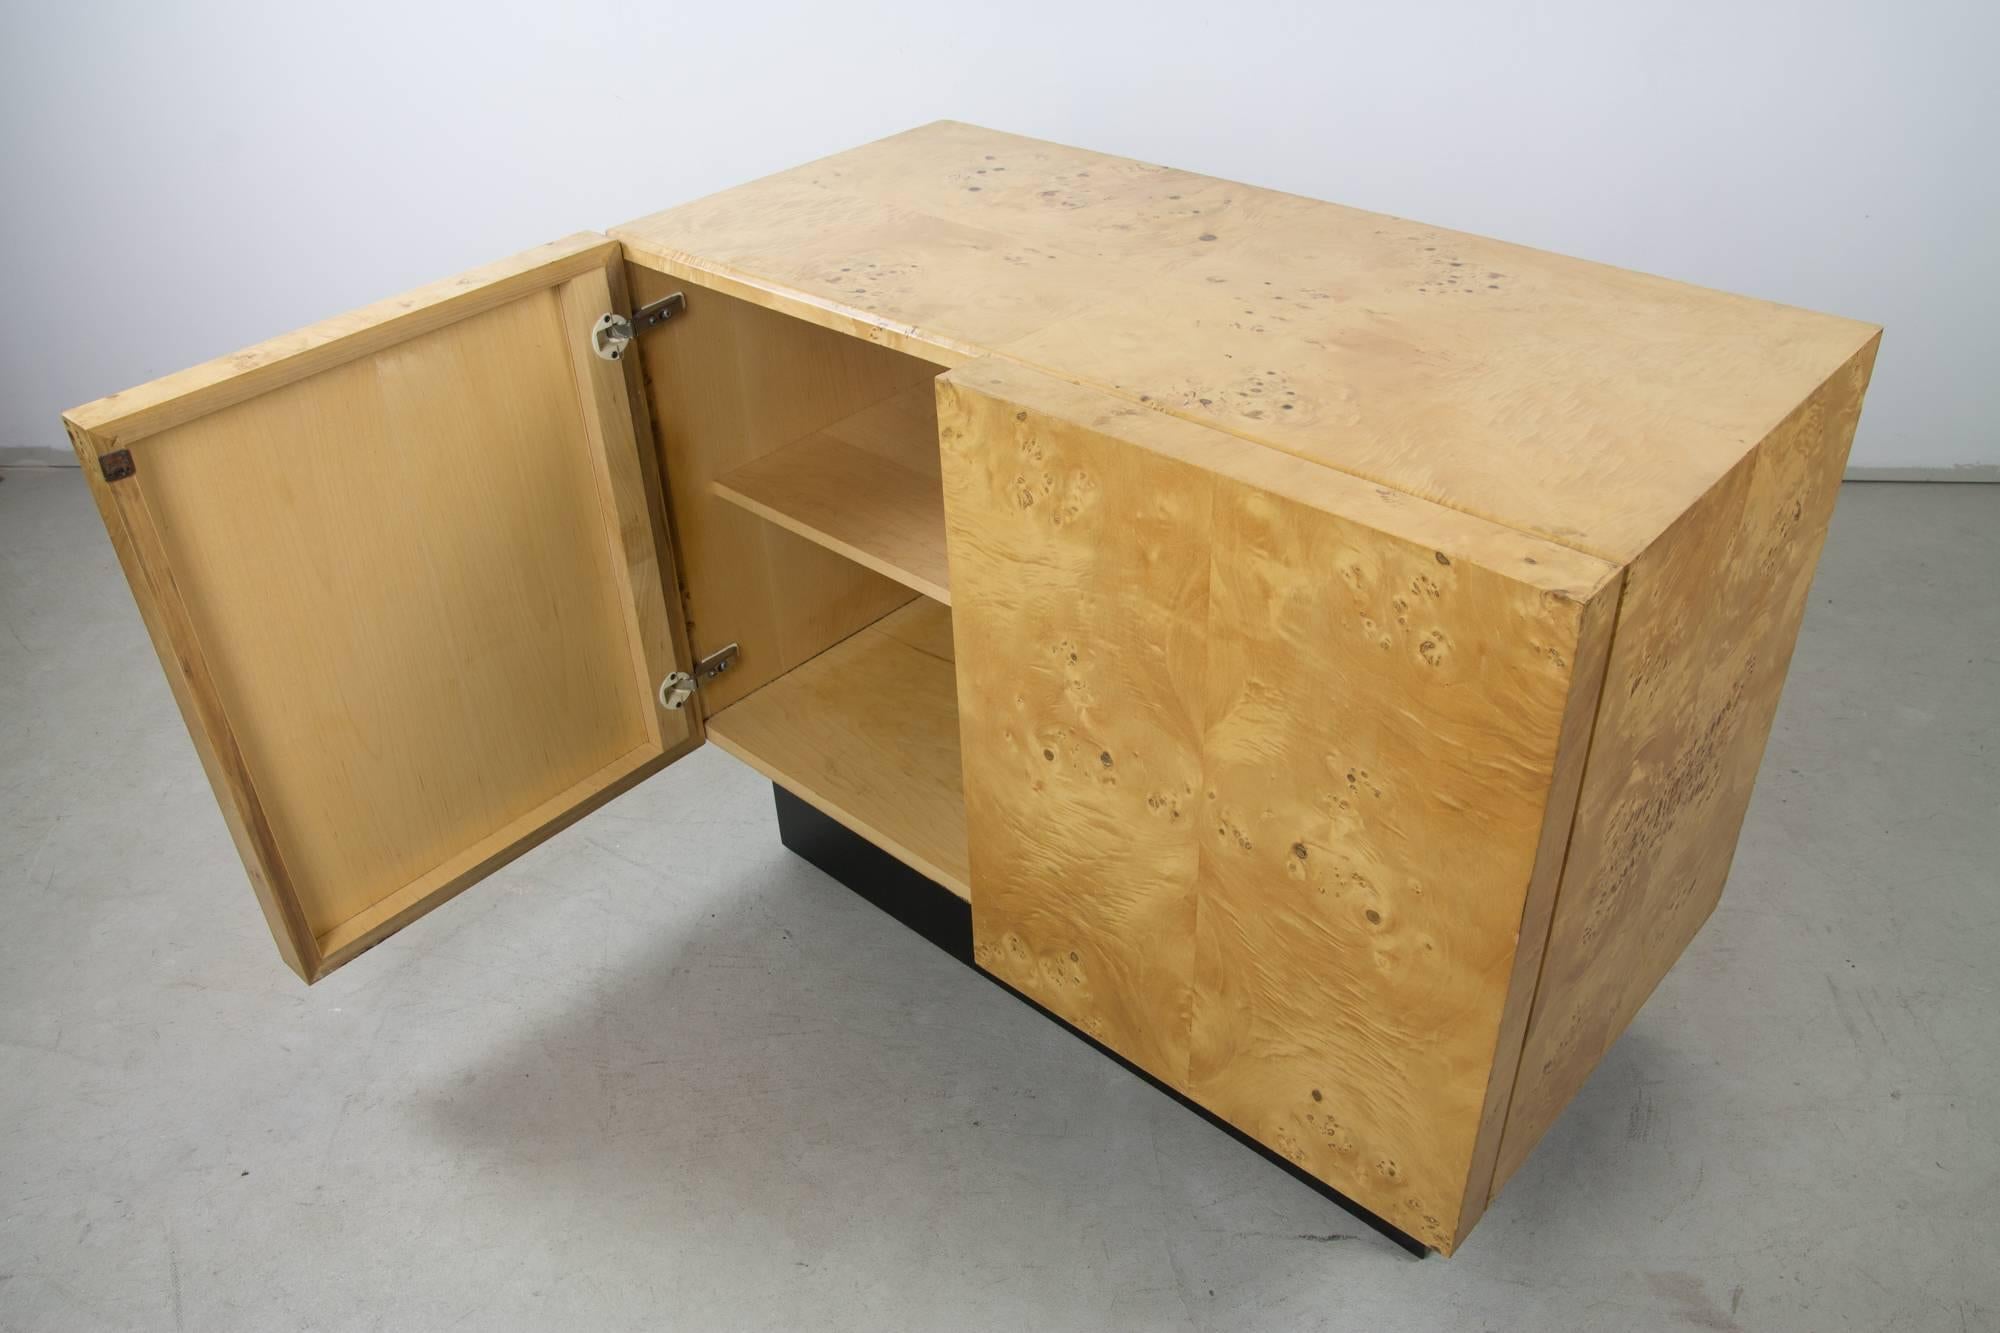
1705, 632
1558, 820
1259, 759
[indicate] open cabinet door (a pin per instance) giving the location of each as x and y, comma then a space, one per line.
409, 574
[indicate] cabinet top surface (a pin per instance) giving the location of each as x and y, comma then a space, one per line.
1585, 403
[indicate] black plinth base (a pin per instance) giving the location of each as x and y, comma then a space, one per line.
945, 919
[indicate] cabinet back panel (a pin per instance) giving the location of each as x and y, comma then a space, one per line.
404, 678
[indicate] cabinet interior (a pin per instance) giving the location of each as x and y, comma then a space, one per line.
802, 477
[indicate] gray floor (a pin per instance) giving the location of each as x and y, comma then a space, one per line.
659, 1073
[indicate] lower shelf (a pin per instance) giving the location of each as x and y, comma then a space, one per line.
867, 732
946, 921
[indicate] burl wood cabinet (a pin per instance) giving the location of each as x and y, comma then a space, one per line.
1331, 654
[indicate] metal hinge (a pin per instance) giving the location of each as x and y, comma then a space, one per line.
678, 688
613, 333
117, 464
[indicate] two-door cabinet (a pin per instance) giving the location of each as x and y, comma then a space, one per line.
1331, 655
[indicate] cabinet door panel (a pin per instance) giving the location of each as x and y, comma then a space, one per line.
1268, 773
406, 571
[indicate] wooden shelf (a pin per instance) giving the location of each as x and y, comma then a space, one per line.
867, 732
866, 486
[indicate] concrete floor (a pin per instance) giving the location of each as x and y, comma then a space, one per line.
659, 1073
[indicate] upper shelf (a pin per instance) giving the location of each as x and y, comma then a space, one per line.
866, 486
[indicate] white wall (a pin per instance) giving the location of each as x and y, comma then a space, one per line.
180, 179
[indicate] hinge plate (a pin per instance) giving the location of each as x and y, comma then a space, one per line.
613, 332
678, 687
708, 668
660, 311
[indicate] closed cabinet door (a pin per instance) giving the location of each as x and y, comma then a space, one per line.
1268, 773
409, 576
